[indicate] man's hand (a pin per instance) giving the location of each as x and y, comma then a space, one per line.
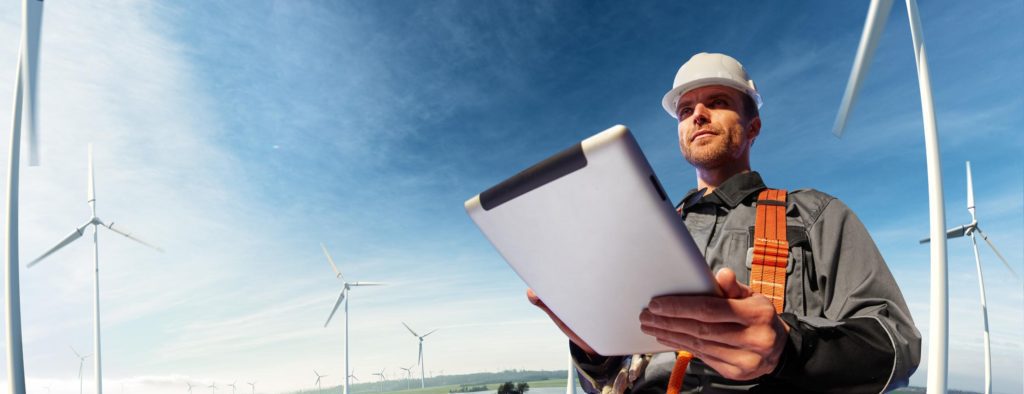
558, 322
740, 336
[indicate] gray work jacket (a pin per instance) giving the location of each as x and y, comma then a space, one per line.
851, 330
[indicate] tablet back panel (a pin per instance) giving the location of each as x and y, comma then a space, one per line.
592, 232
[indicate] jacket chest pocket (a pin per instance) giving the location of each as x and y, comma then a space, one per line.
798, 267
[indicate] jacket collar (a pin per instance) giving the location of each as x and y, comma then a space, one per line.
730, 193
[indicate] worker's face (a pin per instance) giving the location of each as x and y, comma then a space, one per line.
713, 132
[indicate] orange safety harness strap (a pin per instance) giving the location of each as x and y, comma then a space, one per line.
771, 249
768, 269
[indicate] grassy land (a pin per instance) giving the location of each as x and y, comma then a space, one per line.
491, 388
442, 384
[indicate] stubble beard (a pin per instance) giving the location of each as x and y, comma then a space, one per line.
713, 154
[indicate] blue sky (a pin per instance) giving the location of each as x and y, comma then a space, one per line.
238, 136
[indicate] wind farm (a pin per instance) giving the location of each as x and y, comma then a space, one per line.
251, 144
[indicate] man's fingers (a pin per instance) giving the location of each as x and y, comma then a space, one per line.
734, 334
742, 364
530, 295
713, 309
731, 288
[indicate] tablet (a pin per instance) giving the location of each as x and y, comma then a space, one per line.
593, 233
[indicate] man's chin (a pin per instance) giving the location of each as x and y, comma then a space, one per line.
707, 158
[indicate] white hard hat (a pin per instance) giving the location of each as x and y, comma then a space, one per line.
705, 69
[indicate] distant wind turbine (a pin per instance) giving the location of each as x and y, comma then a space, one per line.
382, 378
232, 385
970, 229
419, 359
81, 363
77, 233
938, 322
253, 384
24, 93
318, 377
408, 375
189, 387
213, 385
342, 297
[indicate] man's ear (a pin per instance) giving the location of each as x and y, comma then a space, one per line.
754, 129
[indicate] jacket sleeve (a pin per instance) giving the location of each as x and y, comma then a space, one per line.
866, 341
595, 372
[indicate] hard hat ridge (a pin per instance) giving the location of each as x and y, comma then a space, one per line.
705, 69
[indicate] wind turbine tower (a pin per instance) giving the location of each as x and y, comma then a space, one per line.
346, 287
938, 322
232, 385
419, 360
970, 229
213, 385
77, 233
253, 385
570, 381
24, 93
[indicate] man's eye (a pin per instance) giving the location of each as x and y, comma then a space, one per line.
685, 112
717, 103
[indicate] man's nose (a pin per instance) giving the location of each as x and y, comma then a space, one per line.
701, 115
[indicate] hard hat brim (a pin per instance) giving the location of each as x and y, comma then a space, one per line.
671, 99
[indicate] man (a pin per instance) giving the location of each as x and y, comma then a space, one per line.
838, 322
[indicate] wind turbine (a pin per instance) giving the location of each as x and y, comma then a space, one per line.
419, 359
213, 385
341, 297
81, 363
189, 387
77, 233
253, 384
382, 378
938, 323
408, 375
24, 93
318, 376
232, 385
970, 229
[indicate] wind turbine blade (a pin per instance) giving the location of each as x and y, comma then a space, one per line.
954, 232
1000, 255
970, 191
341, 297
337, 272
367, 284
75, 351
878, 14
410, 330
431, 332
64, 242
122, 231
32, 22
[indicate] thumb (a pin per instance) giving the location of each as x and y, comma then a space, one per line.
731, 288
